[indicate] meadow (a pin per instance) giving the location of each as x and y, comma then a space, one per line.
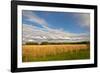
35, 53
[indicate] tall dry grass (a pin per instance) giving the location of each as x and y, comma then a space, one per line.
42, 51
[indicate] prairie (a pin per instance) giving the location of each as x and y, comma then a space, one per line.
33, 53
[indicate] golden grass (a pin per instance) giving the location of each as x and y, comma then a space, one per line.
36, 51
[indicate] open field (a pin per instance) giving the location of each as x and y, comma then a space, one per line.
32, 53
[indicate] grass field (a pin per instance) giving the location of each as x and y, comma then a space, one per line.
33, 53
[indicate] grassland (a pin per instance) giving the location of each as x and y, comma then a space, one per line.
32, 53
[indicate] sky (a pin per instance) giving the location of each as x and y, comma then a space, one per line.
59, 24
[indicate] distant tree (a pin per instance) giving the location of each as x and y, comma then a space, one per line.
31, 43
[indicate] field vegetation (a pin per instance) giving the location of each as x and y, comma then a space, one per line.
52, 52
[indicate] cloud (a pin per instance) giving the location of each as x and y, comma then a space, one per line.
83, 19
31, 16
33, 33
34, 18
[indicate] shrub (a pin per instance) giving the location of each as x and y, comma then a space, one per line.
31, 43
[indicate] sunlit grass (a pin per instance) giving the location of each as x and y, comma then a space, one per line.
33, 53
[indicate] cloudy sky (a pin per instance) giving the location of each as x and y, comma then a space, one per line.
53, 25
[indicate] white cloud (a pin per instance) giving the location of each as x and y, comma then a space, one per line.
34, 18
83, 19
37, 34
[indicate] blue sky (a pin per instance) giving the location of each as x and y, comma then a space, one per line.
65, 21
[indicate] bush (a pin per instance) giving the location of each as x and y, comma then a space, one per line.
31, 43
56, 43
